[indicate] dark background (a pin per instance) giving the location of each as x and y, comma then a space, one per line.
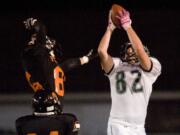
79, 26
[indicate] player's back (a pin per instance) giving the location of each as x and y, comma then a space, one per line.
36, 58
46, 125
38, 65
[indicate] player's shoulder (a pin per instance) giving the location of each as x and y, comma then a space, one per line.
26, 117
153, 59
155, 62
69, 116
70, 120
155, 66
23, 119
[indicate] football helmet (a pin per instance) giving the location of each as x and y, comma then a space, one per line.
46, 103
127, 53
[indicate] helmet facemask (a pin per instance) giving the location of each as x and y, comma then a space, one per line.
128, 54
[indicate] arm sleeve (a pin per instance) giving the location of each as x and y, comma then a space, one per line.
156, 69
70, 64
117, 63
40, 30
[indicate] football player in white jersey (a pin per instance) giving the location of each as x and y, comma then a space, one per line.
131, 78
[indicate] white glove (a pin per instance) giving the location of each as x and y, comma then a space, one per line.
29, 23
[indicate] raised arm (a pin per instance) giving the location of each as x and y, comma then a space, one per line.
124, 18
105, 58
72, 63
38, 28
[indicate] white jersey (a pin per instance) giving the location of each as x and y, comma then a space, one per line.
131, 88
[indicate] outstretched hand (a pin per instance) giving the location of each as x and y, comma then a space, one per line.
92, 54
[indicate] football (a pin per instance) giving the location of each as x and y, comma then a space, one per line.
114, 12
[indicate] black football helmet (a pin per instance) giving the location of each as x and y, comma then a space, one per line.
46, 103
127, 57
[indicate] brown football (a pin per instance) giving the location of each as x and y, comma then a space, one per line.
114, 12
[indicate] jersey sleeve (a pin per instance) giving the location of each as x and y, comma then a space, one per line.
116, 63
156, 69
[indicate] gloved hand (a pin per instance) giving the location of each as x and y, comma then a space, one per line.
29, 23
91, 54
124, 18
111, 26
88, 57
